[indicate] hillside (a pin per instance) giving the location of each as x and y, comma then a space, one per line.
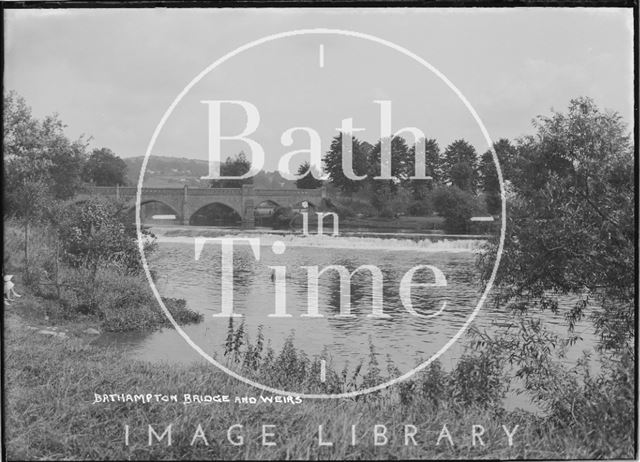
175, 172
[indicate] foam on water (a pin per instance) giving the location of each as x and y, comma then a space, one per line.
347, 242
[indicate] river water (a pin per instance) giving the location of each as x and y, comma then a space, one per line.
403, 337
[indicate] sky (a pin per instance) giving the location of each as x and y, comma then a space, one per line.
112, 74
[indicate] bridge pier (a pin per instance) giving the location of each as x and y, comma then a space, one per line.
186, 215
248, 217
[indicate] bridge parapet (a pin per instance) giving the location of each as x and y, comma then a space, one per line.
186, 201
214, 191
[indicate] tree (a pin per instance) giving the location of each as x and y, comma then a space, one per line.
383, 191
459, 165
456, 206
236, 166
333, 164
104, 168
41, 164
420, 188
308, 181
40, 150
571, 223
489, 181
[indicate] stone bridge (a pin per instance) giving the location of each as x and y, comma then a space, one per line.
185, 202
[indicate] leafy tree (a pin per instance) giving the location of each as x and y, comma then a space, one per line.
571, 224
308, 181
459, 165
333, 164
401, 165
489, 181
456, 206
41, 164
104, 168
236, 166
384, 192
420, 188
38, 150
507, 154
98, 232
463, 176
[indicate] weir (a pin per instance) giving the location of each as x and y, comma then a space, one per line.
186, 201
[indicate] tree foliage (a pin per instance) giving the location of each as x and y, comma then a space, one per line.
233, 166
104, 168
456, 206
489, 181
459, 165
420, 189
333, 160
40, 163
308, 181
571, 222
98, 232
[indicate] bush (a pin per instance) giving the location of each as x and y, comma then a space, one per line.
97, 231
421, 208
456, 206
282, 218
122, 302
478, 380
352, 206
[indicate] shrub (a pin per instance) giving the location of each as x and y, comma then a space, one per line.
421, 208
97, 231
122, 302
282, 217
478, 380
456, 206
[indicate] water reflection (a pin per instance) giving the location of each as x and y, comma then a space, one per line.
406, 339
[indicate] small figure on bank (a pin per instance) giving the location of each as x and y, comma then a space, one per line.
9, 289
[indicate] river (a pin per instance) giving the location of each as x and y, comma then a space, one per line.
403, 338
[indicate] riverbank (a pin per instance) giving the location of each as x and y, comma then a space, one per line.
51, 384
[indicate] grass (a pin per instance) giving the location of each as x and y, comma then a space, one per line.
109, 297
50, 385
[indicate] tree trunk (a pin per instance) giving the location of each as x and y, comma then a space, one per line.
57, 267
26, 246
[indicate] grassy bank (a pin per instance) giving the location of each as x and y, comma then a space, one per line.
50, 385
106, 295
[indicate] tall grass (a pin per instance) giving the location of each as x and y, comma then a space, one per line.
117, 299
50, 412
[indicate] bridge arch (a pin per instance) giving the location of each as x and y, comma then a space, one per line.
268, 202
131, 206
184, 201
222, 213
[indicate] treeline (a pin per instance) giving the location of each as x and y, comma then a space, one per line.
462, 182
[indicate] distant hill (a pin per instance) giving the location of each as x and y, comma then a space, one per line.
175, 172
